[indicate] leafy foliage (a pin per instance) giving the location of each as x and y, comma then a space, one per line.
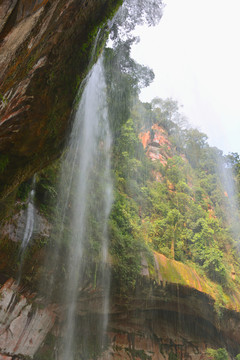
178, 207
219, 354
124, 76
181, 203
133, 13
124, 79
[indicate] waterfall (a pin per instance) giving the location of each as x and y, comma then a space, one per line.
85, 199
29, 227
30, 218
231, 205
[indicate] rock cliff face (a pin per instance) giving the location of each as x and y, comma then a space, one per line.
156, 322
45, 49
23, 326
158, 145
172, 314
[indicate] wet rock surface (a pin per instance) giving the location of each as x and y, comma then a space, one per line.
155, 323
45, 47
23, 325
172, 320
15, 228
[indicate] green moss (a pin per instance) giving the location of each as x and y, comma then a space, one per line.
138, 354
4, 160
219, 354
4, 100
221, 301
46, 189
112, 8
23, 190
172, 356
171, 274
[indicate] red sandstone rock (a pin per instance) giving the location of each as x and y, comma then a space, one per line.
23, 327
159, 148
5, 357
145, 138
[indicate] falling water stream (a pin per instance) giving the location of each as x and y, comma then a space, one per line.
29, 227
231, 204
30, 218
86, 198
76, 279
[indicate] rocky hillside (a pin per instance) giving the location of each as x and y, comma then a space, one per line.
173, 229
168, 299
171, 222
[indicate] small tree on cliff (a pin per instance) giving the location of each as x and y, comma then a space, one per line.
219, 354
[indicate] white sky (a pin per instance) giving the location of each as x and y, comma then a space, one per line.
195, 55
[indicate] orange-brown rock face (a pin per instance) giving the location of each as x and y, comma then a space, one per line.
159, 146
45, 47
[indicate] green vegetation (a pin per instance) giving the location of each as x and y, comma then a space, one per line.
3, 99
172, 356
23, 190
172, 195
176, 205
219, 354
46, 189
138, 354
4, 160
47, 352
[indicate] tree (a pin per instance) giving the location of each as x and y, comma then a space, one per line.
173, 222
219, 354
233, 160
124, 78
133, 13
214, 266
195, 141
167, 114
